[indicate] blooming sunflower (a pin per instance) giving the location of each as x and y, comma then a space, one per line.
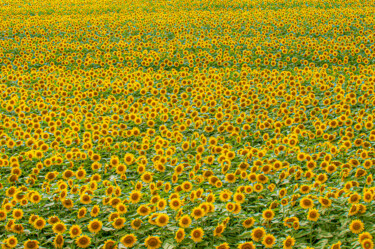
152, 242
223, 246
246, 245
197, 213
31, 244
39, 223
313, 214
249, 222
143, 210
17, 214
185, 221
83, 241
306, 203
75, 231
136, 224
268, 214
258, 233
180, 235
128, 240
336, 245
95, 226
367, 244
219, 230
119, 223
59, 227
12, 242
363, 236
197, 234
356, 226
110, 244
269, 241
58, 241
289, 242
162, 220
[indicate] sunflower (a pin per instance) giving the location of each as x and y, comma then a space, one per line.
356, 226
268, 241
268, 215
128, 240
223, 246
58, 241
118, 223
249, 222
363, 236
12, 242
162, 220
95, 211
95, 226
295, 225
336, 245
110, 244
121, 208
186, 186
313, 214
184, 221
162, 203
367, 244
180, 235
219, 230
197, 234
197, 213
143, 210
83, 241
3, 215
85, 199
175, 204
75, 231
31, 244
246, 245
325, 202
225, 195
289, 242
135, 196
258, 187
258, 233
39, 223
136, 224
129, 158
354, 198
152, 242
51, 220
17, 213
239, 198
18, 228
306, 203
367, 197
59, 228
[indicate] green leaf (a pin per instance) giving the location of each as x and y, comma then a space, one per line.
107, 229
245, 235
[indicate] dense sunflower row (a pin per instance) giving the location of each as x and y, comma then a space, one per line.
187, 124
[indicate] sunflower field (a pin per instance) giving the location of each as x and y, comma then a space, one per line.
187, 124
